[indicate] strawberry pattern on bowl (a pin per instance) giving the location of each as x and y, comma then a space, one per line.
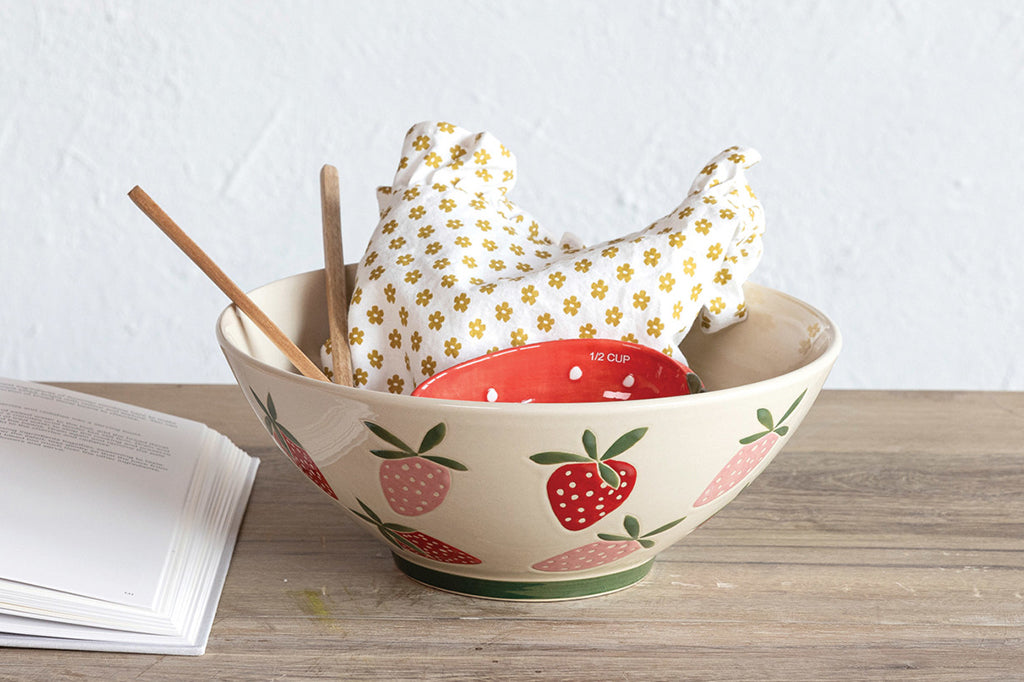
411, 540
536, 501
755, 449
588, 487
608, 548
413, 481
290, 446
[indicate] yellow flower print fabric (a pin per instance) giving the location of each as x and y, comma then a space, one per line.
456, 270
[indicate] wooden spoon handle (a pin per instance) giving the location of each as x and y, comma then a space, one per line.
334, 260
237, 296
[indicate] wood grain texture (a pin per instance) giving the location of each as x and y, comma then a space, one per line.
885, 542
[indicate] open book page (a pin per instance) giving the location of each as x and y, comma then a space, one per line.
90, 494
191, 638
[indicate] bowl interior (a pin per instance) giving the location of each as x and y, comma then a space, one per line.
780, 334
565, 371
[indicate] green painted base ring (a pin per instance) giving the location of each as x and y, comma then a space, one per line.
524, 590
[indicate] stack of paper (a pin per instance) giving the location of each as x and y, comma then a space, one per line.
118, 523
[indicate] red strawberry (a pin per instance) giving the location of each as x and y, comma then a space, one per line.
289, 444
432, 548
587, 487
414, 483
607, 549
412, 540
755, 448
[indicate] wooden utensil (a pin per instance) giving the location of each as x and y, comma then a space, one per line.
334, 262
237, 296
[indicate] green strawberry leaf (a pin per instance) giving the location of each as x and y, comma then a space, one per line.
445, 462
392, 454
369, 512
287, 433
756, 436
609, 475
364, 517
399, 541
590, 443
558, 458
432, 438
664, 528
793, 406
765, 417
625, 442
387, 436
646, 544
693, 383
399, 528
611, 537
782, 430
259, 402
270, 407
632, 526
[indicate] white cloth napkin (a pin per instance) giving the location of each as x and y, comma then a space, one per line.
455, 270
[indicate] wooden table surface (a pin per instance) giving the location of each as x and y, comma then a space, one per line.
885, 542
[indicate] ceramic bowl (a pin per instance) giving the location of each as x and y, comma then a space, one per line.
564, 371
536, 501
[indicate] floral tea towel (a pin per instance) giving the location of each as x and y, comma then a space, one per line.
455, 269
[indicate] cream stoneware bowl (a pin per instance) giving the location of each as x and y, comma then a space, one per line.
535, 501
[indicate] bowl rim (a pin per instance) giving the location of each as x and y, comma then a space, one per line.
822, 363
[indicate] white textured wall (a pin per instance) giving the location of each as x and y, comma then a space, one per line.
892, 135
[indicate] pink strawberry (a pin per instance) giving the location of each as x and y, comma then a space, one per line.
412, 540
755, 448
607, 549
587, 487
414, 483
289, 444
